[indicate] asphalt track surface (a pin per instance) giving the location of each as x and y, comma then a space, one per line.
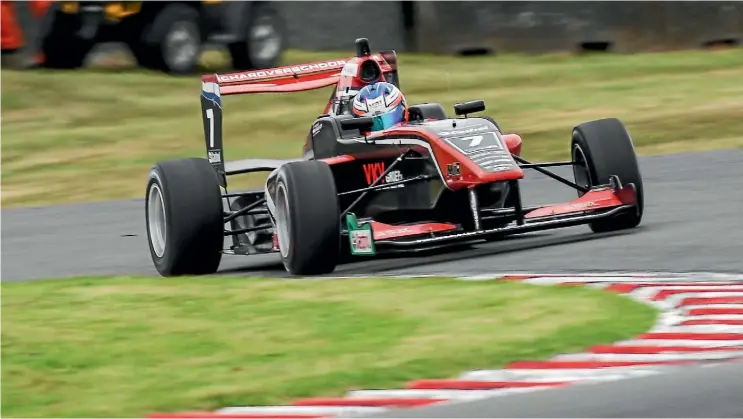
710, 391
692, 223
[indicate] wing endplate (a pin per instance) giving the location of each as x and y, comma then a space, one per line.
211, 114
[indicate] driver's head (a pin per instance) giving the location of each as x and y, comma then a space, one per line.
382, 101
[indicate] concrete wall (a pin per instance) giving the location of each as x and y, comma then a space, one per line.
525, 26
334, 25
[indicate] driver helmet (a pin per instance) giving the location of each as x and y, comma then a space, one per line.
382, 101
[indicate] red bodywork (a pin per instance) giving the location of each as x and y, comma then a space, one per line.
345, 74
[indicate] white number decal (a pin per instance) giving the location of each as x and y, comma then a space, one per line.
210, 117
474, 140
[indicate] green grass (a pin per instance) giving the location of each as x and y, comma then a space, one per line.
93, 134
126, 347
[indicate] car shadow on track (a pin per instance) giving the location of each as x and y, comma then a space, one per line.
442, 256
408, 262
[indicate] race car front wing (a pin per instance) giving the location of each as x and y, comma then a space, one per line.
597, 203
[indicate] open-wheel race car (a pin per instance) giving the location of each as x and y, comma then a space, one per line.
428, 182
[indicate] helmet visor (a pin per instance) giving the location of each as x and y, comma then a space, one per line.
388, 119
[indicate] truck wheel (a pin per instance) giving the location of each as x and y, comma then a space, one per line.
263, 39
600, 149
60, 44
307, 218
183, 210
169, 42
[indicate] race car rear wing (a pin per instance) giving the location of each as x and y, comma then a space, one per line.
295, 78
291, 78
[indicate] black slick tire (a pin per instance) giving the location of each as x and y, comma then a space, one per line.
263, 38
307, 218
169, 41
603, 148
184, 217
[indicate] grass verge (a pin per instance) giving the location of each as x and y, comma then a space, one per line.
125, 347
93, 134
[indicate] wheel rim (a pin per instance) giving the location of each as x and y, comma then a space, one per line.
282, 221
182, 45
265, 41
156, 220
580, 167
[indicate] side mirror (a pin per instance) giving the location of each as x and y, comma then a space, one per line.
469, 107
363, 124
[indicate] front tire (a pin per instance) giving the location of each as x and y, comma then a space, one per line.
600, 149
307, 218
183, 210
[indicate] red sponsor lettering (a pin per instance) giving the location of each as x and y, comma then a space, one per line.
372, 171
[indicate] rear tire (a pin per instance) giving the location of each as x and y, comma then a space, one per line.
307, 218
183, 210
604, 148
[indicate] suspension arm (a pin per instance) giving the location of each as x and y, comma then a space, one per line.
243, 210
399, 159
549, 174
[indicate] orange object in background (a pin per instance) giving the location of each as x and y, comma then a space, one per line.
13, 38
38, 7
12, 33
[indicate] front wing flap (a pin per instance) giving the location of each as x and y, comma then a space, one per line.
594, 205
